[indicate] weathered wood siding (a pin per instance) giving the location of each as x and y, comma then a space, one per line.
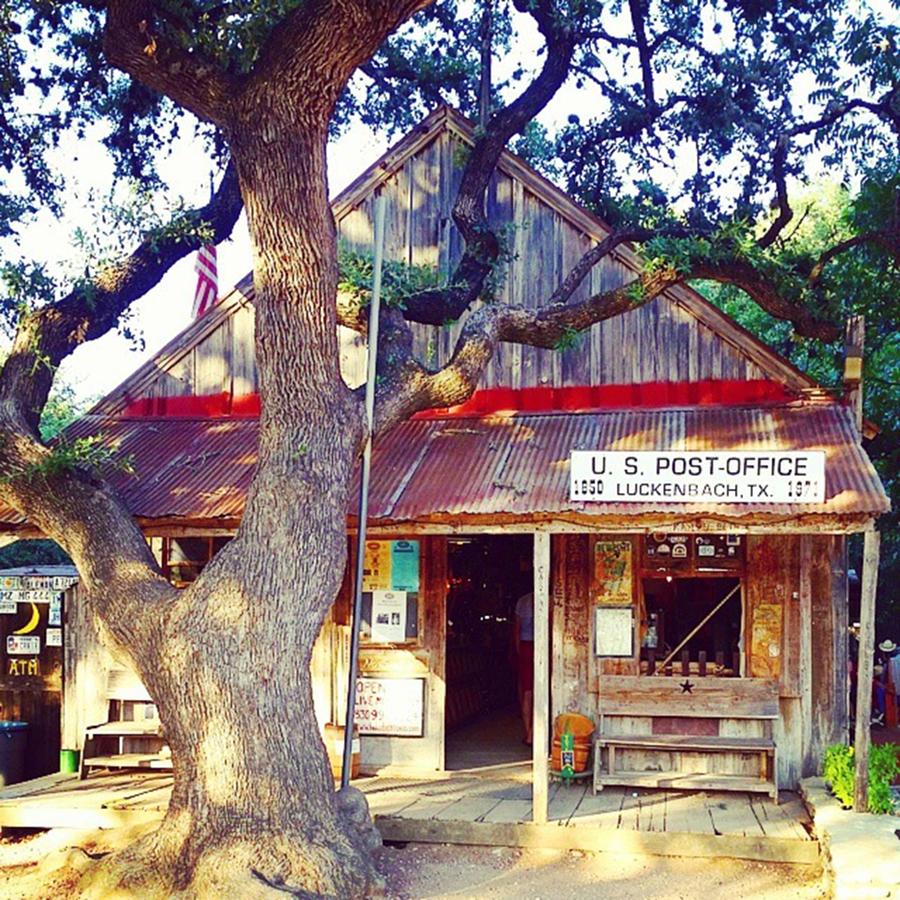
661, 341
658, 342
811, 655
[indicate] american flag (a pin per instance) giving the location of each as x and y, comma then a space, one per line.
207, 280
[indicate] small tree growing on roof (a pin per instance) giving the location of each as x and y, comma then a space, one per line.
227, 660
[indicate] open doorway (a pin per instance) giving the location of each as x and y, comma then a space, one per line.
488, 575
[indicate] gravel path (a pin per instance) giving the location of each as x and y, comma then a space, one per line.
439, 870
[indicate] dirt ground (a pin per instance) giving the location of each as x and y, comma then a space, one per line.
439, 870
47, 864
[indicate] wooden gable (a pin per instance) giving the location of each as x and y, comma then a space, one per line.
679, 337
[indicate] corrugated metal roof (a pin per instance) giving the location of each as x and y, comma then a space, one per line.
501, 465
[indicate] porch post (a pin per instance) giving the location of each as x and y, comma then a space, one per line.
864, 669
540, 767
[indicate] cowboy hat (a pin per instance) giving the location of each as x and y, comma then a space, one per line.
887, 646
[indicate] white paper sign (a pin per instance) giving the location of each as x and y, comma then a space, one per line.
390, 706
614, 631
54, 637
7, 605
54, 614
388, 617
713, 476
23, 644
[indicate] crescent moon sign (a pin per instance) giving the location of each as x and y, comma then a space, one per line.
32, 622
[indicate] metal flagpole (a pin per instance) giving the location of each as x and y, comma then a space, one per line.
364, 489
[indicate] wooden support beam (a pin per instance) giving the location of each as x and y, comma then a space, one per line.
540, 734
854, 342
808, 765
861, 738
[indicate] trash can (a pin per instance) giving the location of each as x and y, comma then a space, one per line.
12, 752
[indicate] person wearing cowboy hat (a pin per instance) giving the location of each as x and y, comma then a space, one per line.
889, 675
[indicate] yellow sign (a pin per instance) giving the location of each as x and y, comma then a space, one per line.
377, 566
765, 641
612, 573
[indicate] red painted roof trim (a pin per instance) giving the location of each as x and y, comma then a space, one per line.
710, 392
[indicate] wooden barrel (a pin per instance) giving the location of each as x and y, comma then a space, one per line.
334, 743
581, 728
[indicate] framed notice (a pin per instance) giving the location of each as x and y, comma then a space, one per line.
614, 631
612, 573
390, 707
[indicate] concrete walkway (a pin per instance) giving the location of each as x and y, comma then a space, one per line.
861, 851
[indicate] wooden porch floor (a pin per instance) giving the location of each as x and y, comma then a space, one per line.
489, 807
493, 807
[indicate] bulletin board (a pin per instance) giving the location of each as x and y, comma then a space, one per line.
390, 600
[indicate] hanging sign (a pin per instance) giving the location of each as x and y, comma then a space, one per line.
390, 706
681, 476
23, 644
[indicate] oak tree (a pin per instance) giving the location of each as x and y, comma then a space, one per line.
703, 114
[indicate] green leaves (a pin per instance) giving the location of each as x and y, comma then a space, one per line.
838, 769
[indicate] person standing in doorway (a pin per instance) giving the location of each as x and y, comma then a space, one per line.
524, 635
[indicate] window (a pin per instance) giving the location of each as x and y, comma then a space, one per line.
692, 604
184, 558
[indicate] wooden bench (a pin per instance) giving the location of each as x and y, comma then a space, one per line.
687, 732
138, 737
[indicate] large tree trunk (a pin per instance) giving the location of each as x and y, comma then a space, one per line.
254, 801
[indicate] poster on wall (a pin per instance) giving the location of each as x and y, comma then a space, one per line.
765, 641
391, 566
8, 605
405, 566
612, 573
388, 617
377, 566
392, 707
55, 613
54, 637
614, 631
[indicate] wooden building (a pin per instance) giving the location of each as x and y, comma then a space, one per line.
473, 507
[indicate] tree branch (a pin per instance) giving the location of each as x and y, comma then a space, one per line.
322, 42
889, 240
785, 213
638, 10
47, 335
135, 42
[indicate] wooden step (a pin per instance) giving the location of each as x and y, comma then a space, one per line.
152, 728
689, 742
128, 761
698, 781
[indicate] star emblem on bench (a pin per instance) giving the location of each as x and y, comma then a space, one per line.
687, 687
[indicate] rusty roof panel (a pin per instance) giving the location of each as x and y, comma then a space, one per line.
500, 465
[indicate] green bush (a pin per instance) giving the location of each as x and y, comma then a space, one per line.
838, 770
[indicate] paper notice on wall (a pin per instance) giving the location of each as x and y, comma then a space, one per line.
54, 615
765, 641
8, 604
54, 637
377, 566
388, 617
405, 566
